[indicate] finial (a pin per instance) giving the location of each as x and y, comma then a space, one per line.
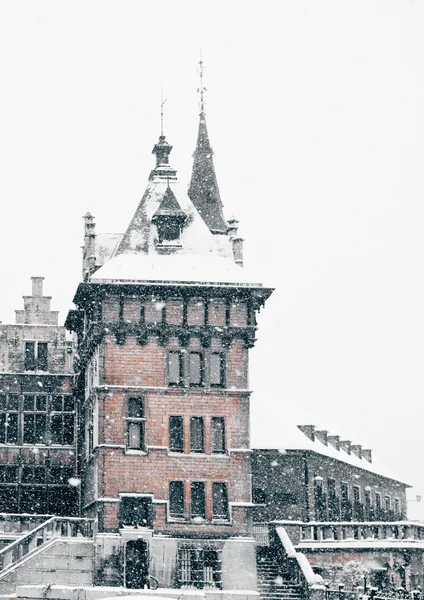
201, 89
162, 102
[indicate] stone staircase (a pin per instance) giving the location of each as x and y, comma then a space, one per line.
60, 550
271, 582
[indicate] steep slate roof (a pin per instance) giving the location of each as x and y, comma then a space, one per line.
201, 256
169, 205
203, 190
283, 435
163, 186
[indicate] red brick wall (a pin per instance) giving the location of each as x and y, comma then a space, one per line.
238, 314
174, 312
133, 364
217, 312
196, 312
132, 310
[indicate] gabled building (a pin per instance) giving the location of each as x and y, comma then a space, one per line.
37, 411
315, 476
165, 318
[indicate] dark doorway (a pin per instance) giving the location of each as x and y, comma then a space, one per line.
136, 564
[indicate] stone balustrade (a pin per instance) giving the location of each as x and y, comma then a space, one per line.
51, 528
349, 531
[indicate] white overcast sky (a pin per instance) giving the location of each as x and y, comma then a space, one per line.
316, 115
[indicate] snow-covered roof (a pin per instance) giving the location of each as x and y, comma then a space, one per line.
176, 268
268, 432
106, 244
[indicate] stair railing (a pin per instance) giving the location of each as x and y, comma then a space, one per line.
312, 584
52, 528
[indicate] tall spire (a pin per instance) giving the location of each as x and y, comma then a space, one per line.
203, 190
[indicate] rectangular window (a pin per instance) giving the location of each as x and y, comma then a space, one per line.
387, 502
176, 434
378, 505
345, 504
175, 368
9, 428
397, 507
135, 408
36, 354
136, 436
176, 499
8, 474
62, 404
217, 369
198, 499
218, 435
62, 429
34, 475
356, 494
35, 428
136, 424
61, 475
219, 501
135, 511
199, 568
30, 362
197, 440
42, 356
196, 371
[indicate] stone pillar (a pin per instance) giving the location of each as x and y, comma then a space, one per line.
239, 564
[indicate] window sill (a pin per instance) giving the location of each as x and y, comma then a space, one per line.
197, 521
221, 521
136, 452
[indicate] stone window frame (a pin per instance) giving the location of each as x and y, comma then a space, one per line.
191, 555
181, 420
135, 422
28, 407
181, 383
221, 517
204, 366
214, 419
36, 358
194, 449
177, 516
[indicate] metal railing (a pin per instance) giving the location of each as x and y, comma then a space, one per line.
260, 533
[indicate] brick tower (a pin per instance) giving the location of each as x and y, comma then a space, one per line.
165, 319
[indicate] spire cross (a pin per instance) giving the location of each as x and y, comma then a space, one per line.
201, 89
162, 102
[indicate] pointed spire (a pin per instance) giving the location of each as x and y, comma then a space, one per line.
203, 190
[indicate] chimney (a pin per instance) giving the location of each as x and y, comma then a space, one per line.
308, 430
89, 248
37, 286
236, 241
334, 440
356, 450
366, 454
322, 436
345, 445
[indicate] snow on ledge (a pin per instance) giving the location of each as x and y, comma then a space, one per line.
175, 269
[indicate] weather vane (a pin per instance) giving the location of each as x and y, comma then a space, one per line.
201, 89
162, 102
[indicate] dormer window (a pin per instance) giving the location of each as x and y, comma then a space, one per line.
169, 229
169, 220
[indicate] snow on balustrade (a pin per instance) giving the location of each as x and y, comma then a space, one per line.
53, 527
347, 534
